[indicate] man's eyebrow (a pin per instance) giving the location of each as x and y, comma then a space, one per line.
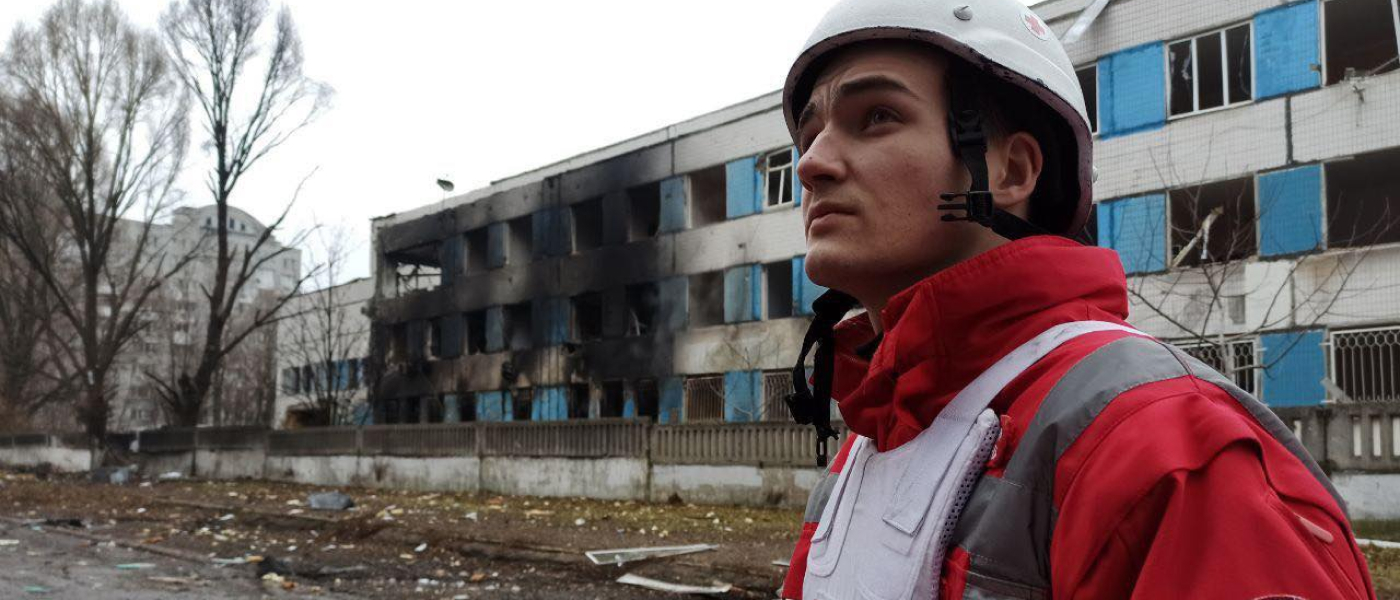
867, 84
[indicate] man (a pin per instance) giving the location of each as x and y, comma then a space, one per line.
1013, 437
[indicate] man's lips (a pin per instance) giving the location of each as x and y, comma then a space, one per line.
821, 212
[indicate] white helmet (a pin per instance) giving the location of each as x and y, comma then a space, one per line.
1002, 38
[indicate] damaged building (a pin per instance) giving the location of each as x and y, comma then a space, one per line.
663, 276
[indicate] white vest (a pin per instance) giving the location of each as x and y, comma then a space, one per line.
884, 532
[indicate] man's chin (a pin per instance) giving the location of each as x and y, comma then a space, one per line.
835, 266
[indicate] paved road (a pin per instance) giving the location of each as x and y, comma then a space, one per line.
51, 565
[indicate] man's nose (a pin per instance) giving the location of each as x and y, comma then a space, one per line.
822, 164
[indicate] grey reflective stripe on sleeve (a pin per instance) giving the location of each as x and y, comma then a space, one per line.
982, 587
1007, 525
1266, 418
816, 502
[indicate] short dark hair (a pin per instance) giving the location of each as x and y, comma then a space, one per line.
1007, 108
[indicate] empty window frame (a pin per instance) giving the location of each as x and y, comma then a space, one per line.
587, 317
614, 399
777, 177
777, 286
708, 196
644, 211
1211, 70
706, 299
1213, 222
579, 396
1089, 83
588, 224
436, 408
517, 330
704, 398
435, 349
1359, 38
476, 251
1366, 363
776, 387
522, 404
1363, 199
416, 268
476, 332
1235, 360
642, 303
648, 398
466, 407
519, 241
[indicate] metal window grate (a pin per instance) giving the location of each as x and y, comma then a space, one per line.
1242, 355
1366, 364
704, 399
776, 387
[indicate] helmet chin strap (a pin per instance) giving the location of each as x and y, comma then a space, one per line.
813, 405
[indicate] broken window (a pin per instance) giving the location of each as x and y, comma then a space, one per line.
578, 401
588, 224
518, 326
1360, 38
642, 299
707, 299
476, 251
777, 177
435, 409
466, 407
588, 316
522, 404
644, 211
520, 234
1211, 70
416, 268
1089, 82
476, 332
1363, 199
648, 398
708, 194
610, 406
778, 288
1213, 222
704, 398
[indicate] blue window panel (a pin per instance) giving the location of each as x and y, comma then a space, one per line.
742, 393
673, 204
740, 294
496, 239
1290, 211
672, 401
674, 302
450, 255
451, 408
454, 327
1294, 368
1132, 90
493, 406
495, 329
741, 186
1285, 50
804, 291
1137, 229
551, 404
629, 403
342, 375
550, 325
362, 414
796, 183
549, 232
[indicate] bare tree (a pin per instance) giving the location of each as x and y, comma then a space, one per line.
91, 113
252, 97
322, 333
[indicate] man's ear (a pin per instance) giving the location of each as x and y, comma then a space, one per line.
1015, 168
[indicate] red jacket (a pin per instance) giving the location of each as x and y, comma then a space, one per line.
1173, 491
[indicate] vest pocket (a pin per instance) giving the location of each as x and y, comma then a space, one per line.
981, 586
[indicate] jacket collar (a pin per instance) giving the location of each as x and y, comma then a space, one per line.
942, 332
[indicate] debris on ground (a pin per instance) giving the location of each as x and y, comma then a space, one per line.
36, 589
9, 542
621, 556
135, 566
65, 522
112, 475
171, 476
675, 588
271, 565
330, 501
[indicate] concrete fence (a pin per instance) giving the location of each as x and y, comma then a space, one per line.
725, 463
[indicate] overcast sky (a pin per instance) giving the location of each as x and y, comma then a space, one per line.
480, 91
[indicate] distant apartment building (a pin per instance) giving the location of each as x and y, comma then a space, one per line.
1247, 155
322, 347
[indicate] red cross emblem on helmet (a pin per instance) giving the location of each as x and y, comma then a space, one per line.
1035, 25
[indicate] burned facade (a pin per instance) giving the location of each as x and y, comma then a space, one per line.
601, 286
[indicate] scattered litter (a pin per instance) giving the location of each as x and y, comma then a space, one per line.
580, 522
36, 589
141, 510
172, 580
112, 475
270, 565
135, 566
171, 476
330, 501
65, 522
295, 511
472, 516
478, 577
227, 517
625, 555
781, 563
677, 588
9, 542
421, 547
535, 512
